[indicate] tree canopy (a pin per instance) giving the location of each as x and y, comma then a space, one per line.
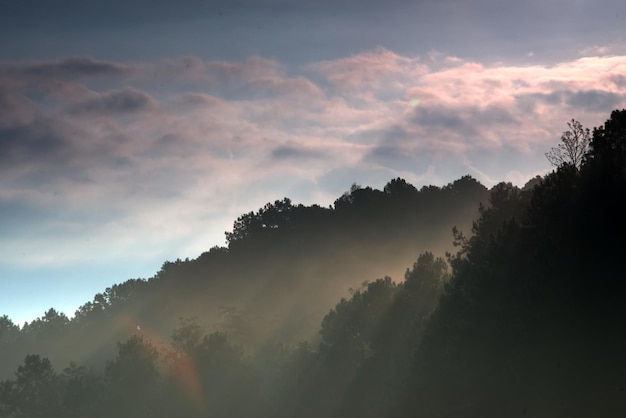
573, 147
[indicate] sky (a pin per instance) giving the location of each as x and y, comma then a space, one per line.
134, 132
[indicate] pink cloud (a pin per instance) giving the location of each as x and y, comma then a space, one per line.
114, 103
440, 108
69, 69
188, 142
253, 68
372, 70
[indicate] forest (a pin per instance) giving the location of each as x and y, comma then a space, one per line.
453, 301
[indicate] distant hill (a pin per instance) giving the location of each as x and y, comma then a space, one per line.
284, 267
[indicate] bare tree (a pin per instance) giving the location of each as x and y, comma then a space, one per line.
573, 147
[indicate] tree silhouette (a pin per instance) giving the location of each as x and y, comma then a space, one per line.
188, 335
535, 305
133, 379
608, 148
9, 332
82, 392
35, 392
573, 147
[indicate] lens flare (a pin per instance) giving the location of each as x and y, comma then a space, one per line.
186, 374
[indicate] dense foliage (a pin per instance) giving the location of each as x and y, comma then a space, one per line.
525, 317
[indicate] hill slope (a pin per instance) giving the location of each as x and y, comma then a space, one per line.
284, 267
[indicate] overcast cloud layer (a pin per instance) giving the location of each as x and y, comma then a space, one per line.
136, 132
308, 30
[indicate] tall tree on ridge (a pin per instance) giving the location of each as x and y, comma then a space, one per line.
573, 147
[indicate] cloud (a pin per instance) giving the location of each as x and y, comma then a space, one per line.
294, 152
73, 68
35, 142
595, 100
299, 88
143, 155
115, 103
619, 80
69, 69
399, 158
375, 70
462, 121
197, 100
594, 50
254, 68
528, 101
16, 109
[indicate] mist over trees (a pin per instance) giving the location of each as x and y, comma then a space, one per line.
284, 267
518, 313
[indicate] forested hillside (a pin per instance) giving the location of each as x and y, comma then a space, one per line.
524, 316
532, 322
284, 267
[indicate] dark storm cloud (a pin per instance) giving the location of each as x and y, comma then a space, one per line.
117, 102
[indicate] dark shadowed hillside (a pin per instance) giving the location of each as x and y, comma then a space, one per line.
532, 321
